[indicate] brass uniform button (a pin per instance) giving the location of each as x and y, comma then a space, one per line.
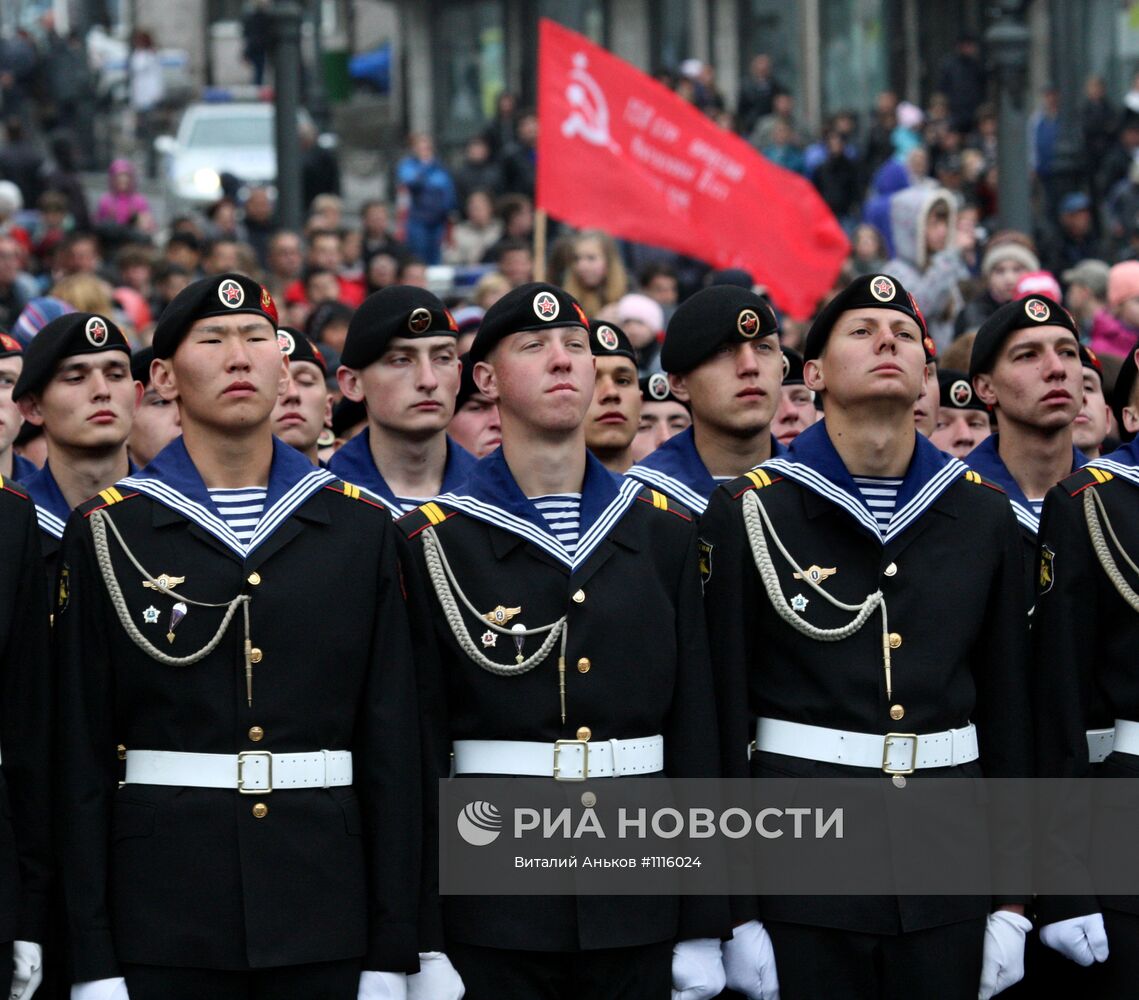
897, 712
891, 570
899, 780
255, 653
256, 734
122, 750
584, 733
579, 597
588, 799
583, 665
260, 810
895, 640
254, 579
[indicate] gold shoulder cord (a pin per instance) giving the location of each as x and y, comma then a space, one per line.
1094, 511
447, 587
100, 520
756, 519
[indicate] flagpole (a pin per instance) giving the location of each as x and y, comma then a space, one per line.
540, 244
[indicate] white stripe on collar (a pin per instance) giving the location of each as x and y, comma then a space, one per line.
209, 521
1121, 469
589, 540
903, 516
1026, 516
49, 522
671, 486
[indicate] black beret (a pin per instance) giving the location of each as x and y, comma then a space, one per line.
1020, 314
1089, 359
533, 306
957, 391
792, 367
396, 311
75, 333
608, 339
467, 387
347, 414
297, 347
1121, 393
870, 291
140, 365
655, 388
719, 314
219, 295
9, 346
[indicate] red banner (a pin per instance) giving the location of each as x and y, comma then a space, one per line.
620, 152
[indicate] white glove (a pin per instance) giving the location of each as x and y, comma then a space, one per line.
1002, 961
749, 962
379, 986
1082, 939
101, 989
697, 969
27, 969
436, 979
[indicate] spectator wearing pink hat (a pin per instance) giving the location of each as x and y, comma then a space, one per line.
642, 319
1116, 332
1038, 283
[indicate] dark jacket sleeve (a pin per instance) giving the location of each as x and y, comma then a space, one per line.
26, 718
86, 754
389, 775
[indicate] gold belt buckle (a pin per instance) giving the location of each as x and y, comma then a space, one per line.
241, 758
887, 742
558, 744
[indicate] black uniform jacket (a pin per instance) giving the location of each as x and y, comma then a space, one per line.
25, 722
632, 596
1086, 644
952, 575
192, 876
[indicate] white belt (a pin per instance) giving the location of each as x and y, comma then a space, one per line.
894, 753
1101, 742
252, 772
563, 760
1127, 736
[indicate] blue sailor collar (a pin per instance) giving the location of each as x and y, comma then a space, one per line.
354, 463
492, 495
22, 469
986, 460
813, 462
676, 469
174, 481
1123, 462
52, 510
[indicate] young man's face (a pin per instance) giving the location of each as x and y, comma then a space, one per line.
542, 380
1036, 381
659, 421
156, 424
872, 355
476, 426
517, 266
324, 252
958, 432
88, 403
1090, 426
662, 288
796, 413
285, 257
303, 408
613, 417
738, 389
10, 419
226, 373
411, 389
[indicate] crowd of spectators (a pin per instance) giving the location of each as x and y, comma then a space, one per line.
915, 189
